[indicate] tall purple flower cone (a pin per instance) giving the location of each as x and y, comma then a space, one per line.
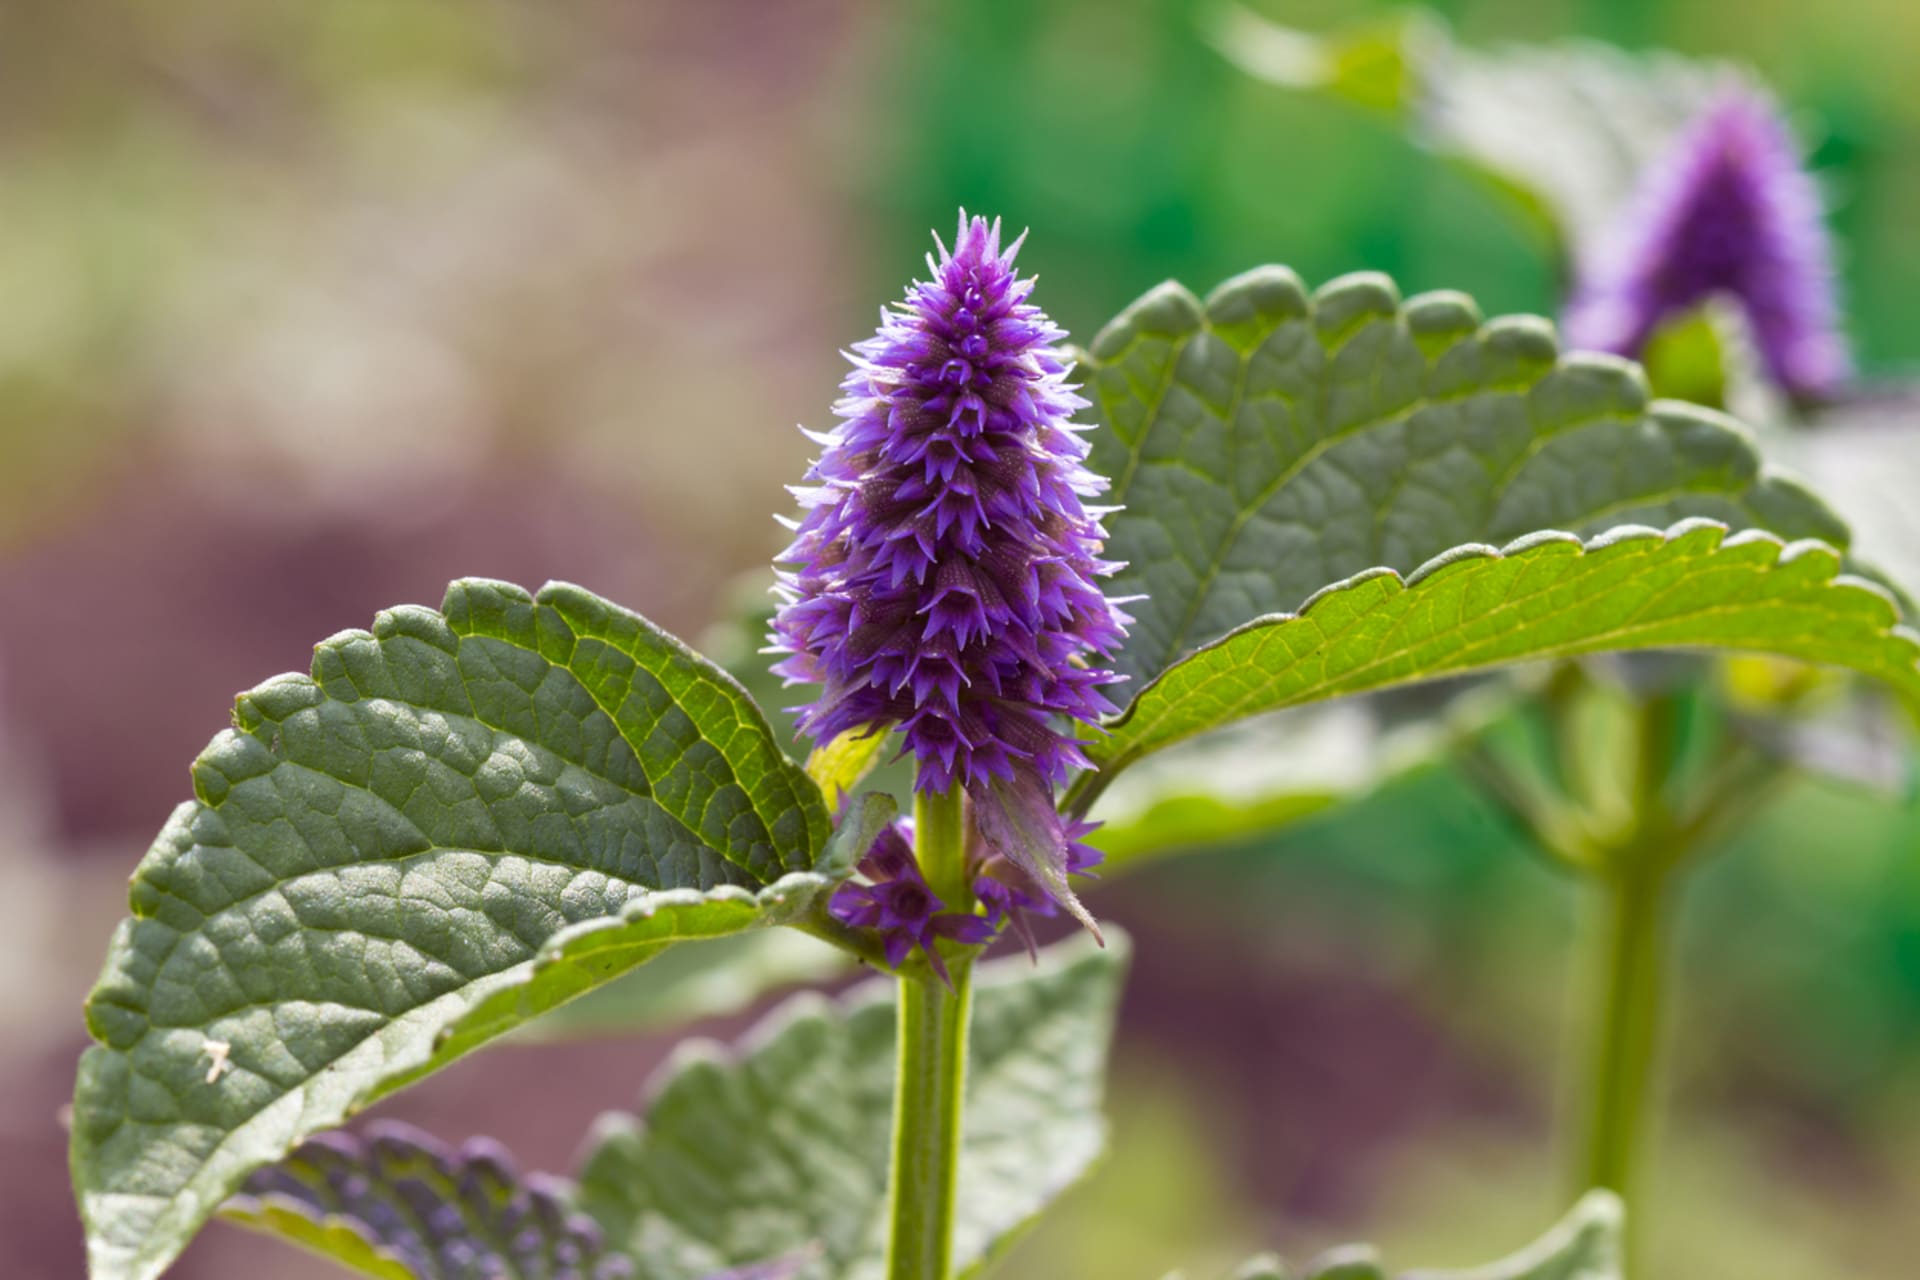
944, 575
1728, 210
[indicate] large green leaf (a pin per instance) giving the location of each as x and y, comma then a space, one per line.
786, 1144
1585, 1245
1545, 596
1268, 442
459, 820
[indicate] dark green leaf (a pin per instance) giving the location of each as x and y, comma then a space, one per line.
786, 1144
459, 821
1268, 442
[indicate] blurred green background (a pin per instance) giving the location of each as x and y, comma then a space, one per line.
311, 307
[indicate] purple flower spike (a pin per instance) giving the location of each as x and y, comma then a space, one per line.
943, 578
1728, 210
900, 906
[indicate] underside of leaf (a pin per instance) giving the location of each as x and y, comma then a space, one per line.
395, 1202
1547, 596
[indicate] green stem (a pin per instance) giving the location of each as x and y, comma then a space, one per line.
1625, 1037
930, 1079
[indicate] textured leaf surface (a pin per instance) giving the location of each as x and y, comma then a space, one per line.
396, 1203
1548, 596
785, 1144
1268, 442
460, 820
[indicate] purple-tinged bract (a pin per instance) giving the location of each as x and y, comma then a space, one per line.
1727, 211
944, 575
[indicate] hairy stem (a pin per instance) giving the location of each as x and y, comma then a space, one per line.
931, 1075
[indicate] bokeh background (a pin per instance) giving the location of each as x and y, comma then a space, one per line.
307, 307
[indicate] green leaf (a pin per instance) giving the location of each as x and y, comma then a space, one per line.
1378, 64
1585, 1245
1264, 775
716, 978
459, 821
1869, 449
396, 1204
1545, 596
747, 1156
1267, 443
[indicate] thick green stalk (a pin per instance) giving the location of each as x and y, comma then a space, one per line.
1625, 1035
931, 1076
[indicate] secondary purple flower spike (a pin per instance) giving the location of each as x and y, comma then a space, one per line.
944, 576
898, 903
1728, 210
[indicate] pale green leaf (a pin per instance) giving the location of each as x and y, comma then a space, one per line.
1546, 596
458, 821
838, 766
1585, 1245
1268, 442
785, 1142
1263, 775
396, 1204
1869, 450
711, 980
1564, 128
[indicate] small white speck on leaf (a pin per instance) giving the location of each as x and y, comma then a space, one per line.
217, 1052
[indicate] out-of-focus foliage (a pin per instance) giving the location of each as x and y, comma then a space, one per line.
785, 1144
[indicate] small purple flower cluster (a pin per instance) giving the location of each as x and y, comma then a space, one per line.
897, 902
1728, 211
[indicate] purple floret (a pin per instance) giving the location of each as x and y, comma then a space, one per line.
897, 902
1727, 211
944, 575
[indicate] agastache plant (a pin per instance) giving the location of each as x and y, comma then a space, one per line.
944, 577
467, 817
1728, 211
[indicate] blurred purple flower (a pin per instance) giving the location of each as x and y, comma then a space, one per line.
943, 576
1728, 210
898, 903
